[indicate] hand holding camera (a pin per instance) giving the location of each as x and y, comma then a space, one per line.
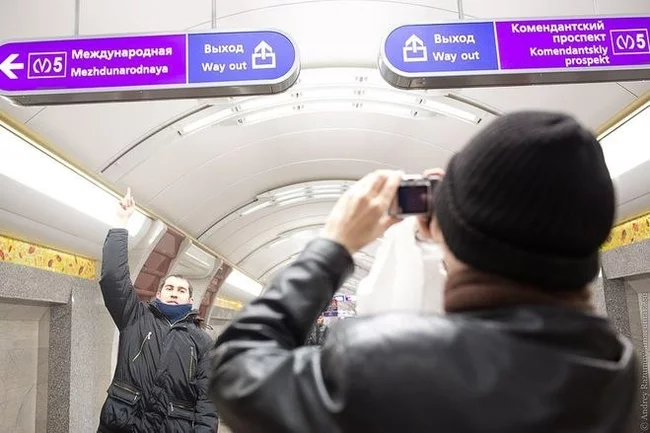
415, 197
379, 200
361, 214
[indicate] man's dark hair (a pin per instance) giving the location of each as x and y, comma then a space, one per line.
180, 277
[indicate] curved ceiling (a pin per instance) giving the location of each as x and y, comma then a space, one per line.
202, 163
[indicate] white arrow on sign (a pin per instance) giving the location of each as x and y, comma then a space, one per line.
414, 43
263, 56
8, 66
263, 49
414, 50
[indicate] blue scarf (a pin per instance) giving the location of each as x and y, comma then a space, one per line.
173, 312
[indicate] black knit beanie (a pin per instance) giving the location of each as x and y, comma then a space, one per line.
530, 199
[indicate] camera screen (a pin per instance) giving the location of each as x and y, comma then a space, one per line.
413, 199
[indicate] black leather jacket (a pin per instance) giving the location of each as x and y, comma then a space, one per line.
536, 369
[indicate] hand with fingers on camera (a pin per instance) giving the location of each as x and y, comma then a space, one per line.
361, 214
125, 209
423, 232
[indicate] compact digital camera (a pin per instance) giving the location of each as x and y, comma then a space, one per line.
415, 196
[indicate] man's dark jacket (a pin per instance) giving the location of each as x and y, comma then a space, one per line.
160, 381
532, 369
317, 335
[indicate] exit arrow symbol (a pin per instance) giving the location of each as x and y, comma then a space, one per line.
414, 43
264, 49
8, 66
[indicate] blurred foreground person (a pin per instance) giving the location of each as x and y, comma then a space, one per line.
520, 216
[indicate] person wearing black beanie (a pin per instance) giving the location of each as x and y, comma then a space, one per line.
519, 214
529, 198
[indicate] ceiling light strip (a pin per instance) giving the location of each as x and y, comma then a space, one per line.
265, 200
376, 105
26, 134
152, 133
41, 172
417, 104
276, 240
625, 147
623, 115
277, 266
357, 81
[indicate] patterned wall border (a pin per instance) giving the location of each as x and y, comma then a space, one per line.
628, 233
228, 304
36, 256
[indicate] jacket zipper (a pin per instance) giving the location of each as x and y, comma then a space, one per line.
148, 337
126, 388
182, 319
171, 325
192, 357
182, 406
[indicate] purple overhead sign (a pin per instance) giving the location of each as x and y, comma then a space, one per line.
498, 53
141, 67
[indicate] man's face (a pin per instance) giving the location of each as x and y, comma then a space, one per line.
175, 291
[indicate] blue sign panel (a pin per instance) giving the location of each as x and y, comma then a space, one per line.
407, 50
239, 57
502, 53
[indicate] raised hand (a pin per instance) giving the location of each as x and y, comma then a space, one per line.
125, 209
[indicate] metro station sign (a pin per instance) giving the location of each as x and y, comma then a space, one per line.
506, 53
147, 67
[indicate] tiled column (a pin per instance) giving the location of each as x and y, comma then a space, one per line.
78, 344
626, 283
628, 312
